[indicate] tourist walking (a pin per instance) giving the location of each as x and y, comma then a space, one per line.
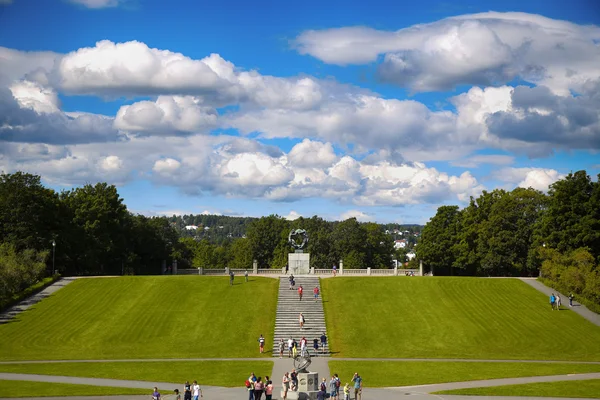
259, 387
187, 391
571, 299
177, 395
552, 301
334, 270
261, 343
291, 279
285, 382
357, 380
558, 302
196, 391
246, 275
300, 291
303, 346
316, 345
155, 394
281, 348
294, 379
332, 388
323, 342
290, 344
301, 320
231, 278
338, 383
269, 390
316, 293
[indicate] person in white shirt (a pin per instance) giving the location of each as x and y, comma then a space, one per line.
290, 344
196, 391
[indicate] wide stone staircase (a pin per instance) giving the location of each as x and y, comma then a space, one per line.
289, 308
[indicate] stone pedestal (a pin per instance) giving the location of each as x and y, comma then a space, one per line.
299, 263
308, 387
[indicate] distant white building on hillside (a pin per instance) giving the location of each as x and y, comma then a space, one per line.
191, 227
400, 244
410, 255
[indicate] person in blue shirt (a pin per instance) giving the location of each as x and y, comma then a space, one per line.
552, 301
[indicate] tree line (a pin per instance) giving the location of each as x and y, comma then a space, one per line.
359, 245
519, 232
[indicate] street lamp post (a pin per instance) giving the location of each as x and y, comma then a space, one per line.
53, 251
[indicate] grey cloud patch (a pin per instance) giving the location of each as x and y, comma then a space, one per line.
538, 116
25, 125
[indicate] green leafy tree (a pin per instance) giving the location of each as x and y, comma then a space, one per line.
241, 254
19, 269
438, 239
380, 247
350, 240
265, 235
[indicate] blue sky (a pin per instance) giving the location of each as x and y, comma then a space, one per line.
382, 110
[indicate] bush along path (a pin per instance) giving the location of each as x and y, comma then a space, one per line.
289, 308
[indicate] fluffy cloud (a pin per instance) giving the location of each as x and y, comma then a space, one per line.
537, 178
538, 116
29, 113
359, 215
200, 164
167, 115
480, 49
312, 154
292, 216
15, 65
97, 3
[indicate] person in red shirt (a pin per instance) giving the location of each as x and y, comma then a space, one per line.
316, 293
300, 290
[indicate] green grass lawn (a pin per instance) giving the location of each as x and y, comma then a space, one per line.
408, 373
145, 317
451, 317
211, 373
587, 389
45, 389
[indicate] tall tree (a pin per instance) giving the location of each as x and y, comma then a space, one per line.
350, 240
438, 240
265, 235
380, 247
571, 219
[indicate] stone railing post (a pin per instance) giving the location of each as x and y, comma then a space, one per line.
282, 270
312, 270
255, 267
420, 267
396, 270
174, 267
200, 271
226, 270
341, 267
368, 270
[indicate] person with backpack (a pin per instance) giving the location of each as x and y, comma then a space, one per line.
155, 394
291, 279
332, 388
338, 383
250, 386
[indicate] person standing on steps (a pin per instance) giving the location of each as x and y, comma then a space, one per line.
300, 291
571, 299
291, 280
290, 344
261, 343
281, 347
301, 320
323, 342
316, 345
303, 346
316, 293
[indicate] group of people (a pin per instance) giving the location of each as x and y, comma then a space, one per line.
292, 346
232, 276
555, 301
256, 387
190, 392
333, 387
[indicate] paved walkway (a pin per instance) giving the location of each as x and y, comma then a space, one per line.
421, 392
12, 312
577, 307
314, 359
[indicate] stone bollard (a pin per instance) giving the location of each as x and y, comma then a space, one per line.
341, 267
255, 267
200, 271
368, 270
396, 270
